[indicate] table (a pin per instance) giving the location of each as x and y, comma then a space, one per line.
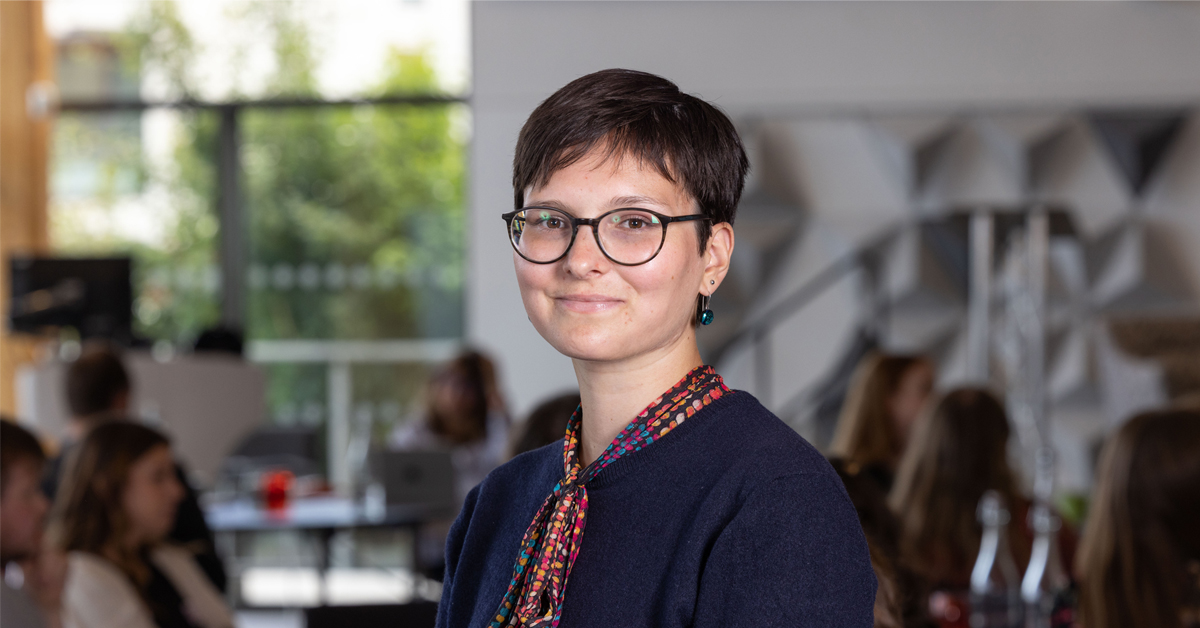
323, 516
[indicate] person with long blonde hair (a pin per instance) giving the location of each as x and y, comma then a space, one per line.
1139, 558
959, 451
115, 506
886, 396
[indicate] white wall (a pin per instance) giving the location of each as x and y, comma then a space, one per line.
780, 59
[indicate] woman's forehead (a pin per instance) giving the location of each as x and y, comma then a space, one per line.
616, 180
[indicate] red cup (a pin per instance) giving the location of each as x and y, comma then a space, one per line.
276, 489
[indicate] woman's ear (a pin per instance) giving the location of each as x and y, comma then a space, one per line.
716, 257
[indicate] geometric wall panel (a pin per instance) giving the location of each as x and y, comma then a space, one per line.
1138, 141
1026, 142
1134, 268
913, 147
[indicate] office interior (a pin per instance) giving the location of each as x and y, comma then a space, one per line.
1008, 188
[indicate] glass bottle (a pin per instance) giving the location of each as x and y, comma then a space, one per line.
1046, 589
995, 581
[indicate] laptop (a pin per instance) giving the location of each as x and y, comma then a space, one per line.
415, 477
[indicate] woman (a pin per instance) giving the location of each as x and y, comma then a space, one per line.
465, 416
672, 500
959, 451
886, 396
1139, 559
116, 504
37, 602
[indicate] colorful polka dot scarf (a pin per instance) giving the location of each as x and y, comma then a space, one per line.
551, 544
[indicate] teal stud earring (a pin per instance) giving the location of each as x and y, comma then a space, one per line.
706, 315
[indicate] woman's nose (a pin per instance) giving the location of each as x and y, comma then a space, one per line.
585, 255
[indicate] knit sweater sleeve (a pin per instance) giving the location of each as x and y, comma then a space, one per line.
454, 546
794, 555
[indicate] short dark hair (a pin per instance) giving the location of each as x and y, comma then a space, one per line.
17, 445
95, 380
636, 114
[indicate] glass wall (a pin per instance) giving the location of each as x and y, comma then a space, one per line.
352, 214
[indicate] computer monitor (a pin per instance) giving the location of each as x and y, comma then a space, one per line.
94, 296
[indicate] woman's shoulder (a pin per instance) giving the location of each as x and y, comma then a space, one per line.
97, 594
86, 567
414, 434
749, 435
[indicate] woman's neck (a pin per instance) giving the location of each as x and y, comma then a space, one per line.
613, 393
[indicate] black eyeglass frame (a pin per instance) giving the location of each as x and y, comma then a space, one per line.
594, 223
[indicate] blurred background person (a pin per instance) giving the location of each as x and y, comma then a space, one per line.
546, 424
886, 396
220, 340
959, 450
465, 415
116, 505
1139, 557
99, 390
22, 517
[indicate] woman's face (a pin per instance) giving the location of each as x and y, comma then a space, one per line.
152, 495
910, 397
24, 511
592, 309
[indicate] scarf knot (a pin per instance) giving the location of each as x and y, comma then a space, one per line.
551, 543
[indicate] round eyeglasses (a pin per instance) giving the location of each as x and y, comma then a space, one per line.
628, 236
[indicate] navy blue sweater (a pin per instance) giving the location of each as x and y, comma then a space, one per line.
732, 519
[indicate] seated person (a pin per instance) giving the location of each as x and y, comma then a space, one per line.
463, 416
22, 516
546, 424
885, 398
959, 451
98, 389
116, 504
1139, 558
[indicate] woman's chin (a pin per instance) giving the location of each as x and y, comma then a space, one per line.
589, 348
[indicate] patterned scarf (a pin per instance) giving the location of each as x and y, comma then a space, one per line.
551, 544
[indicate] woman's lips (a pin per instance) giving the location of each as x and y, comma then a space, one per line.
587, 303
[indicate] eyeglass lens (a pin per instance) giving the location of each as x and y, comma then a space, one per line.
628, 236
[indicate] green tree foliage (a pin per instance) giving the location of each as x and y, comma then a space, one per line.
371, 193
367, 198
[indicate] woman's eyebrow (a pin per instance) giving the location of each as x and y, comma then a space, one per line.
553, 204
615, 203
627, 201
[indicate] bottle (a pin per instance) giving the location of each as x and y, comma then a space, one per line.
1046, 589
995, 581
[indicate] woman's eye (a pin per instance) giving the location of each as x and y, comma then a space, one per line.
633, 223
546, 220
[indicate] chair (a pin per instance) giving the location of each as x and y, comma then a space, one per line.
413, 615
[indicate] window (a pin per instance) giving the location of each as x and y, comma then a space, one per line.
349, 169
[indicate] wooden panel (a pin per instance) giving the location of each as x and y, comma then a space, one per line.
26, 58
